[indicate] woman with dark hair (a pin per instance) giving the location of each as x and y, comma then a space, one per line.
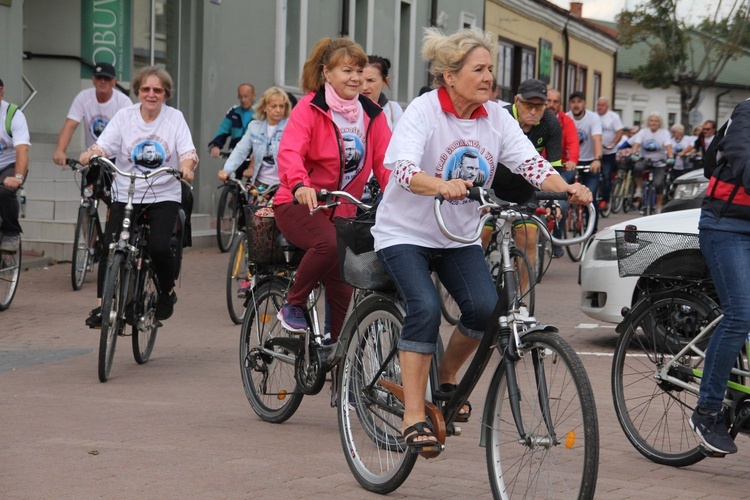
311, 157
375, 80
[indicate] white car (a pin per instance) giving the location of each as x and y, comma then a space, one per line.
603, 292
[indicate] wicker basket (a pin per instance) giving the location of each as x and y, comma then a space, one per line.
263, 239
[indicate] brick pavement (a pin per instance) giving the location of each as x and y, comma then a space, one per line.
180, 426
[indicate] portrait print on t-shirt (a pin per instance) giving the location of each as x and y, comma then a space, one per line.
98, 125
354, 154
469, 166
148, 154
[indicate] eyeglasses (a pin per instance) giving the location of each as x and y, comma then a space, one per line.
533, 106
146, 90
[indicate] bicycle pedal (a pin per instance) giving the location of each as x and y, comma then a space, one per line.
710, 453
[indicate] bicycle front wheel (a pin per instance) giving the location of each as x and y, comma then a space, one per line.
369, 416
83, 248
617, 196
226, 218
448, 306
558, 454
146, 325
238, 276
267, 356
629, 195
654, 413
113, 320
10, 273
577, 220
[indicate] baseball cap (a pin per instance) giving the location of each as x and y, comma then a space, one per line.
577, 93
1, 84
533, 88
105, 69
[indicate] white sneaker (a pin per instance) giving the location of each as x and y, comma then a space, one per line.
638, 193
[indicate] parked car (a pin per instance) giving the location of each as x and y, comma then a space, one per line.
603, 292
688, 191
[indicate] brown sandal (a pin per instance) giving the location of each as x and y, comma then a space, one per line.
421, 429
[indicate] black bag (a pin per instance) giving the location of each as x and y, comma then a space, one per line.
710, 161
359, 266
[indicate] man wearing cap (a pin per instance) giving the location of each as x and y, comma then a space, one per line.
14, 165
94, 107
590, 139
541, 127
612, 132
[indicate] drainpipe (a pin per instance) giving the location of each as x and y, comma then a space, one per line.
716, 105
566, 41
345, 18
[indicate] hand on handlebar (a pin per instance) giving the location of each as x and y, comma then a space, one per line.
454, 189
223, 175
187, 173
306, 196
59, 158
85, 157
579, 194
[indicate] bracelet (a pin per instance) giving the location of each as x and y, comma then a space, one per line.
598, 158
297, 186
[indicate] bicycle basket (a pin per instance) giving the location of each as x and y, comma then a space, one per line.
263, 236
358, 264
659, 254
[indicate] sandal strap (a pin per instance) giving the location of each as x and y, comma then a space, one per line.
420, 429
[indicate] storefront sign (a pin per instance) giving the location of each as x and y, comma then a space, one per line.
545, 60
105, 35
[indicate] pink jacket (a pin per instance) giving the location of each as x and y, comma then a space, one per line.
311, 152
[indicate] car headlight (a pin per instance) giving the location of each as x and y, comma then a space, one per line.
605, 250
690, 190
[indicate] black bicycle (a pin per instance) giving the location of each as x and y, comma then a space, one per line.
10, 273
88, 242
539, 424
131, 289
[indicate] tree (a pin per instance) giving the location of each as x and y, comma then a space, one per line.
690, 57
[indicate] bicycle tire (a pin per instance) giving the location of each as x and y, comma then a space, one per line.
226, 218
10, 274
525, 296
146, 325
655, 415
268, 377
448, 306
113, 321
629, 195
617, 196
543, 257
237, 272
83, 248
564, 465
575, 224
648, 200
370, 419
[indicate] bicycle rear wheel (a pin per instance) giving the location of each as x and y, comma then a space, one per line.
369, 416
146, 325
113, 320
629, 195
226, 218
267, 356
654, 414
577, 220
618, 195
563, 464
448, 306
83, 247
10, 273
238, 274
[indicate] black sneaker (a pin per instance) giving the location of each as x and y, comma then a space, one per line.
165, 306
713, 432
95, 318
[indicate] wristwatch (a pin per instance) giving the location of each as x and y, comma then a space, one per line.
19, 176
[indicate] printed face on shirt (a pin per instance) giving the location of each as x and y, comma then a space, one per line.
148, 154
353, 152
469, 166
372, 83
98, 125
472, 84
345, 78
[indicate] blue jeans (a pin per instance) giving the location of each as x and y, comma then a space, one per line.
464, 275
609, 165
727, 255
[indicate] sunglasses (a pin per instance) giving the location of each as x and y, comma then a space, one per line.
155, 90
532, 106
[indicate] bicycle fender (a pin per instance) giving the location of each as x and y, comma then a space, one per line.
495, 382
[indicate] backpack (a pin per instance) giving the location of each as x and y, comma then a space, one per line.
710, 161
9, 118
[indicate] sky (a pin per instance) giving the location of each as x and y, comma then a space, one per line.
606, 10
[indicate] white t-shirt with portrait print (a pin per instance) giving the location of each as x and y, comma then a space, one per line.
678, 147
96, 115
437, 141
653, 145
141, 146
588, 126
355, 144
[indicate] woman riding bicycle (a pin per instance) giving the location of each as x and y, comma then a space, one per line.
435, 132
655, 144
311, 158
374, 79
262, 139
147, 135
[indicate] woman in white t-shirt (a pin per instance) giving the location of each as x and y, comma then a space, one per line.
680, 143
142, 137
654, 143
428, 156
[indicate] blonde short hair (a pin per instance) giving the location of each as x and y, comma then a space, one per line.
260, 106
158, 72
448, 52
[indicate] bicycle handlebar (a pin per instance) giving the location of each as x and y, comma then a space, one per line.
106, 163
326, 196
510, 212
76, 165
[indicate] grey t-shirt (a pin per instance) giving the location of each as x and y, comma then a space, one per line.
588, 126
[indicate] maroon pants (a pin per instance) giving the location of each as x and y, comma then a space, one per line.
315, 234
